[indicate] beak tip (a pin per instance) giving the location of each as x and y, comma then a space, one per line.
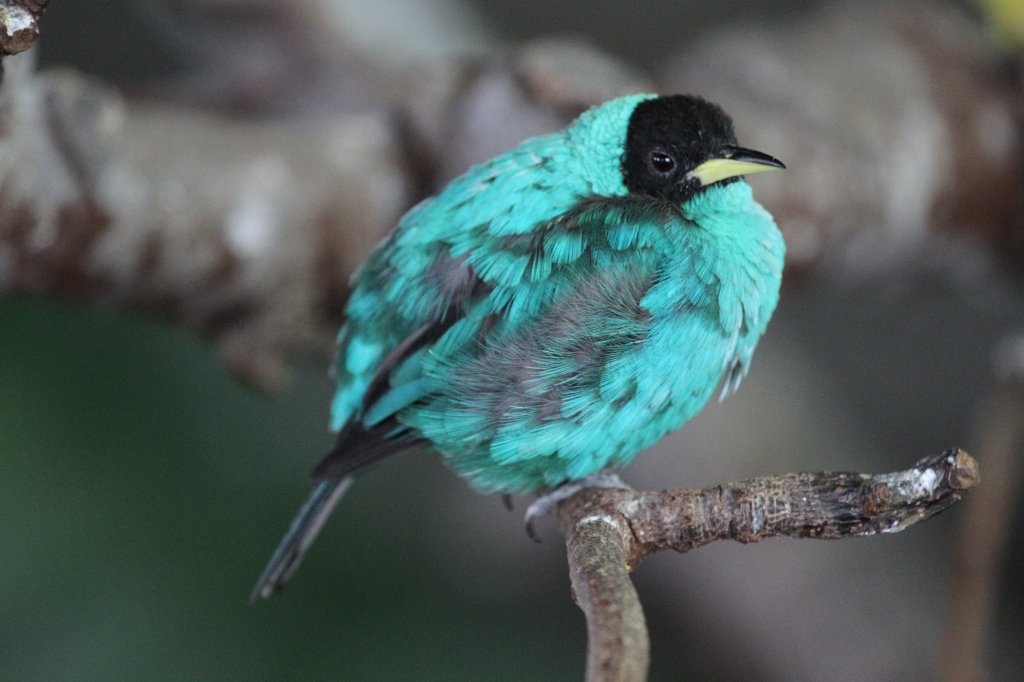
735, 153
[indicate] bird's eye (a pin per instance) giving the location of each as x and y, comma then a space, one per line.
662, 162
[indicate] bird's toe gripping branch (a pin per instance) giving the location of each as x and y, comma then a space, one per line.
548, 501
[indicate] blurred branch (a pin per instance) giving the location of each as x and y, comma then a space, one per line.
247, 232
243, 231
987, 522
609, 532
905, 125
234, 229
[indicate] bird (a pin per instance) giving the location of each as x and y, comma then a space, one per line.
554, 310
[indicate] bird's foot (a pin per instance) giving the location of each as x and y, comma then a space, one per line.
543, 505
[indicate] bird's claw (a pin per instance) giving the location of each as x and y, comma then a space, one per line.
543, 505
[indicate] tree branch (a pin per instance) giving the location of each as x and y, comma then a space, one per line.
599, 546
19, 24
609, 532
986, 530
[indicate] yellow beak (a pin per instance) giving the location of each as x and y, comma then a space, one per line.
734, 161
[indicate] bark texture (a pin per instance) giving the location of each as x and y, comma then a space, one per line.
609, 532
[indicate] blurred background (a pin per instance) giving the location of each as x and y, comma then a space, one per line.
216, 168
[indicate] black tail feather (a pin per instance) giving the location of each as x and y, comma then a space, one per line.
300, 536
357, 448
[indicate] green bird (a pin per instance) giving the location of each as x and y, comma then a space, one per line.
555, 310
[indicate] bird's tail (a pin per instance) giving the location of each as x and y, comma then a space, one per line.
300, 536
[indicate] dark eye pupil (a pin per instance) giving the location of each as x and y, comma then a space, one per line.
662, 163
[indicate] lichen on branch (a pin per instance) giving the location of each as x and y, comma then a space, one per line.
19, 24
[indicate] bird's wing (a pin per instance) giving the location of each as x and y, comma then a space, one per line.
526, 394
423, 276
443, 257
419, 301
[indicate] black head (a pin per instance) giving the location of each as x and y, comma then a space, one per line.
668, 138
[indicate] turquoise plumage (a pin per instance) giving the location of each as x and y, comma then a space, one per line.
557, 309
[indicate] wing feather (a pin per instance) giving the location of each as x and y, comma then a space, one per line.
436, 289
